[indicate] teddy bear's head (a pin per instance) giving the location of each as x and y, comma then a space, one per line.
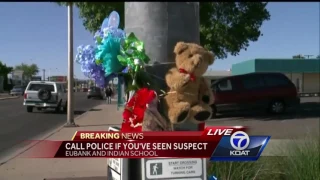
193, 58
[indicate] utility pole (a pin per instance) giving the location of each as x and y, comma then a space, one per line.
70, 115
308, 56
44, 74
160, 26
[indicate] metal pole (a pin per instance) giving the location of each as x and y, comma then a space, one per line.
70, 115
49, 74
44, 74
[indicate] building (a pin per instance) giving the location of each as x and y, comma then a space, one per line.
211, 76
304, 73
18, 78
58, 78
36, 78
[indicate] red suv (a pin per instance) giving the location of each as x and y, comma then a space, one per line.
270, 91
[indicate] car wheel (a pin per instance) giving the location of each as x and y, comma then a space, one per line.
88, 97
39, 109
58, 108
29, 109
277, 107
65, 107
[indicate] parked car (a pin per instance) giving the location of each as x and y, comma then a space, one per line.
17, 91
45, 94
273, 92
95, 92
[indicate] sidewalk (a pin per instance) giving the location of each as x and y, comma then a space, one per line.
100, 118
4, 96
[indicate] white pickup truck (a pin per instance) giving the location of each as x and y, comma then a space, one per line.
45, 94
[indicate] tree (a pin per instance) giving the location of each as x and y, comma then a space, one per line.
4, 71
225, 28
299, 56
28, 70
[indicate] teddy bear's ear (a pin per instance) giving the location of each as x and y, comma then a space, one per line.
211, 57
180, 47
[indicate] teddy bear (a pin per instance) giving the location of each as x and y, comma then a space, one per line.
189, 95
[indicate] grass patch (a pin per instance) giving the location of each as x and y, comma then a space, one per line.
302, 163
263, 169
303, 160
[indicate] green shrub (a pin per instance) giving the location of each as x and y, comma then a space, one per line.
302, 163
259, 170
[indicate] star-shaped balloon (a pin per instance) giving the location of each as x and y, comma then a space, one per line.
109, 39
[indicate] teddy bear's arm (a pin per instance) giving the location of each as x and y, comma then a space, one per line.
205, 93
176, 80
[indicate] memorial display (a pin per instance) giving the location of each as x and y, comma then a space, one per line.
147, 107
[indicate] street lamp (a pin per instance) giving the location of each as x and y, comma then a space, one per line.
70, 115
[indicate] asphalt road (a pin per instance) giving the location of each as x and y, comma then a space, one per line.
17, 125
301, 123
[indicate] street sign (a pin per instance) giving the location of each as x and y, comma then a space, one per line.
174, 169
156, 168
117, 167
114, 175
115, 164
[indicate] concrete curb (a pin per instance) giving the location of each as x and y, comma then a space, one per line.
40, 138
9, 97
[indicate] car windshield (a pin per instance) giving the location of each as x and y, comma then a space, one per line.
94, 88
37, 87
215, 82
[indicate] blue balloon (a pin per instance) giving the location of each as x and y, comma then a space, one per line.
114, 19
86, 58
104, 23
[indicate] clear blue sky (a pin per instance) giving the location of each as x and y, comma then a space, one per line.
37, 33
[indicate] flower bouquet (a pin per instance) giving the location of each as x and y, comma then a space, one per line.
121, 55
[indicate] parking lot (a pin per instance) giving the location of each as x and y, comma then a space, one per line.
293, 124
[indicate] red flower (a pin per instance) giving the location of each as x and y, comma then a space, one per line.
126, 127
135, 108
144, 96
131, 102
126, 114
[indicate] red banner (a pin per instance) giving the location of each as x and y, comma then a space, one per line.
194, 144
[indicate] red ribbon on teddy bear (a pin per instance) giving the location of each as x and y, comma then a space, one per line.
192, 76
133, 113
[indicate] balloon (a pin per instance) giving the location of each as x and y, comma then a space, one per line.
106, 55
86, 58
100, 62
98, 36
114, 20
104, 23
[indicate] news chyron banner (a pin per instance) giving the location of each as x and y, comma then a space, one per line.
223, 143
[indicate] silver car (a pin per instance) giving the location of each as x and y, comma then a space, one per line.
17, 91
95, 92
